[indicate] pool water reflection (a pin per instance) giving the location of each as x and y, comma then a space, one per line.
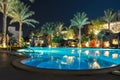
71, 58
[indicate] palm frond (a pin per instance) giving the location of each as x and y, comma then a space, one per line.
79, 20
109, 15
32, 1
21, 13
31, 21
30, 24
13, 21
28, 14
48, 28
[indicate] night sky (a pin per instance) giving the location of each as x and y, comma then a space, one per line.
63, 10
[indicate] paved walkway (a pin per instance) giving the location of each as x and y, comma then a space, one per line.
8, 72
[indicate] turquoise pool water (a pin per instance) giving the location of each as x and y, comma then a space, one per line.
71, 58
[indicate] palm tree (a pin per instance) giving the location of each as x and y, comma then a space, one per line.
101, 35
21, 14
70, 33
5, 7
49, 29
79, 20
97, 25
109, 16
59, 28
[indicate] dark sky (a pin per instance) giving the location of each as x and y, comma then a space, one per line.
63, 10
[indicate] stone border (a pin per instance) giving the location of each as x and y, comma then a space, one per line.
117, 72
17, 63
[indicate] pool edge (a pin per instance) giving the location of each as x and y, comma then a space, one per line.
17, 63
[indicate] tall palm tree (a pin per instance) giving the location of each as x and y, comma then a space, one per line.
79, 20
5, 7
21, 14
109, 16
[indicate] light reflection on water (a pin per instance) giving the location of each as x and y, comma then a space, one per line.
73, 58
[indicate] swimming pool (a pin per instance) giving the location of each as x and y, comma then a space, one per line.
71, 58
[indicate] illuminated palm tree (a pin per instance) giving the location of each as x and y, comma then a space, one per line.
21, 14
4, 9
97, 25
49, 29
109, 16
5, 6
59, 28
79, 20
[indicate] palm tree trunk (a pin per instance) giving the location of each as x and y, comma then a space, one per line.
50, 40
118, 40
4, 23
108, 25
19, 34
101, 41
80, 36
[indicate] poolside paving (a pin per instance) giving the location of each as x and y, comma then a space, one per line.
8, 72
